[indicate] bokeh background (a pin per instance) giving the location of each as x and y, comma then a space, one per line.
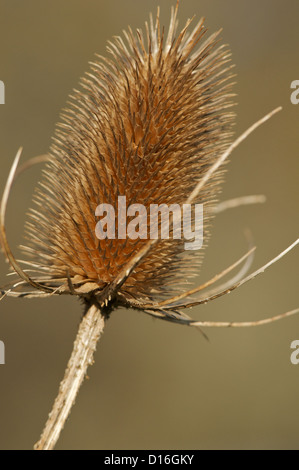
155, 385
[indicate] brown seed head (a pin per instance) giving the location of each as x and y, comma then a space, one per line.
147, 123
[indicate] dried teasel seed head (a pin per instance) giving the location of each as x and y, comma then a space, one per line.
148, 123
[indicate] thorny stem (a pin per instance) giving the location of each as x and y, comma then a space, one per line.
89, 333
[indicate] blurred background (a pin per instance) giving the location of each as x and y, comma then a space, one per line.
155, 385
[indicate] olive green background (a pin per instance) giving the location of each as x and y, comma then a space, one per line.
155, 385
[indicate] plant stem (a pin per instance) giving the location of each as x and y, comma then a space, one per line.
90, 330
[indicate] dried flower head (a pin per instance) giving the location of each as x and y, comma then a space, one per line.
145, 124
152, 123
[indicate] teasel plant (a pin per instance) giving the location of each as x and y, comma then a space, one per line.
152, 122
